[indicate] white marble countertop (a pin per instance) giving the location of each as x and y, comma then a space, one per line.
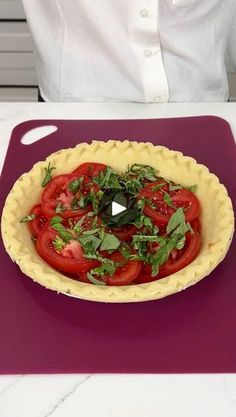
168, 395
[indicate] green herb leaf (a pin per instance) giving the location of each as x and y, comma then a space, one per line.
192, 188
107, 268
158, 187
28, 218
90, 243
148, 238
48, 175
55, 219
75, 184
180, 243
59, 208
58, 243
109, 242
93, 280
175, 187
176, 219
108, 179
143, 172
168, 200
65, 234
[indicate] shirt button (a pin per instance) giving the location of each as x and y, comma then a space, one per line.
144, 13
147, 52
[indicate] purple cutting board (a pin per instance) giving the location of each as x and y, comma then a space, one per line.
193, 331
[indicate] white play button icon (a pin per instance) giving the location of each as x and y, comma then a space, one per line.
116, 208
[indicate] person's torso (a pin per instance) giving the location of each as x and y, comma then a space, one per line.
131, 50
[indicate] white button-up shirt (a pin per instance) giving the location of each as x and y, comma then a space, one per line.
133, 50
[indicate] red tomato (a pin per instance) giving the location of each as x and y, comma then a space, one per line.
123, 275
70, 259
196, 225
90, 169
36, 225
162, 211
177, 260
57, 192
124, 233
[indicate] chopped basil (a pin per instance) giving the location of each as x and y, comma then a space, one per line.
158, 186
93, 280
177, 219
78, 225
58, 243
168, 200
90, 243
28, 218
107, 268
109, 242
59, 208
55, 219
148, 238
192, 188
108, 179
56, 224
143, 172
75, 184
175, 187
48, 175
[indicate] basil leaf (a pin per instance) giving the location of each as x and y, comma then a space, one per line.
75, 184
121, 219
55, 219
107, 268
48, 175
93, 280
168, 200
180, 243
109, 242
192, 188
58, 243
148, 238
78, 225
91, 232
175, 220
175, 187
158, 187
59, 208
89, 243
28, 218
62, 231
143, 172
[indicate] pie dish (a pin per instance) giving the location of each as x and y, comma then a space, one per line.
217, 218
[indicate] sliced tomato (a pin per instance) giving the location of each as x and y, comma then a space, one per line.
57, 192
124, 233
70, 259
35, 226
123, 275
196, 225
177, 260
90, 169
160, 211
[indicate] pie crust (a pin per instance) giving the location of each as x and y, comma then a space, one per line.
217, 218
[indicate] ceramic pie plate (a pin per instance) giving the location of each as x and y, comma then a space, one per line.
217, 218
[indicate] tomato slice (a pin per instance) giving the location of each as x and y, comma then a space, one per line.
57, 192
161, 212
90, 169
123, 275
124, 233
35, 226
69, 260
177, 260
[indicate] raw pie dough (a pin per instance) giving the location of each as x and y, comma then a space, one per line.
217, 218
